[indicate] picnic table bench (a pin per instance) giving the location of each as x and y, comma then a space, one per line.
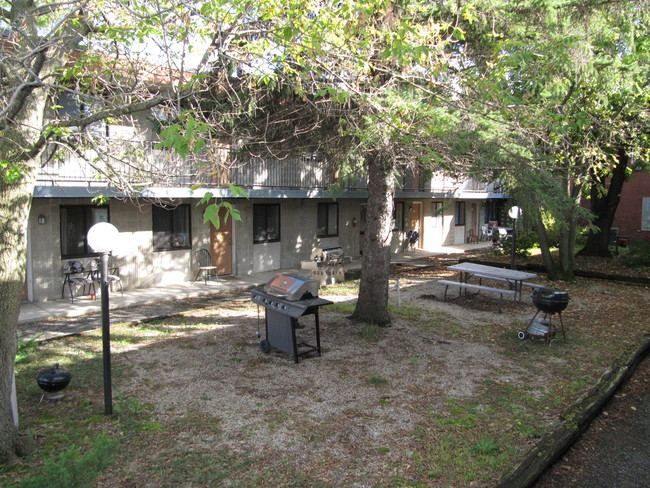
514, 278
471, 286
505, 280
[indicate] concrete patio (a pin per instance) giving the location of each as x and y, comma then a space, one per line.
83, 305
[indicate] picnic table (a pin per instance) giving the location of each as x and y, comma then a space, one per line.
516, 279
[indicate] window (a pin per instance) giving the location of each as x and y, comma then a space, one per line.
459, 218
398, 216
328, 219
171, 228
266, 223
70, 106
76, 220
645, 214
436, 214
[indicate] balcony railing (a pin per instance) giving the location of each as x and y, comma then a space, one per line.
136, 164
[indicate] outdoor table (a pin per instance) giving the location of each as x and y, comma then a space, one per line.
513, 277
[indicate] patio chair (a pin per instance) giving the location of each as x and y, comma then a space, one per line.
113, 274
203, 262
472, 237
75, 275
486, 232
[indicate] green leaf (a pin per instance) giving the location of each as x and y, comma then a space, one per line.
238, 191
11, 172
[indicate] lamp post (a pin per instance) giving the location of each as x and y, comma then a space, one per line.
514, 213
101, 238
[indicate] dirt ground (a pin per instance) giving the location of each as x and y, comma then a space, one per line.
330, 415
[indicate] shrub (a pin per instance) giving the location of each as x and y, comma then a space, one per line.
523, 245
638, 255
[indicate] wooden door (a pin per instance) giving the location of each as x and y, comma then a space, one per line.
415, 220
221, 245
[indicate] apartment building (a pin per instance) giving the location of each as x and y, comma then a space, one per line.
289, 211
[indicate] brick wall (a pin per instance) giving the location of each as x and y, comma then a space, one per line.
629, 212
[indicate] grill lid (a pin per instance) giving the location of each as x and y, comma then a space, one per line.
292, 286
550, 301
328, 254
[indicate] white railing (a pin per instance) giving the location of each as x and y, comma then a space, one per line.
136, 164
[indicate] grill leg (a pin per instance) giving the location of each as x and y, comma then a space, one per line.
317, 332
533, 319
294, 323
562, 326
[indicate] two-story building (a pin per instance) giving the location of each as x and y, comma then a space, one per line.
289, 211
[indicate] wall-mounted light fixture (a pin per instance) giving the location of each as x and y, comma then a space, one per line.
41, 219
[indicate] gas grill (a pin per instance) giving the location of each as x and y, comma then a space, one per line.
330, 256
286, 298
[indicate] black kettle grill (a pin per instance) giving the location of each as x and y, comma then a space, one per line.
549, 302
52, 380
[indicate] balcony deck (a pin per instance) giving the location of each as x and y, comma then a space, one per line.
141, 167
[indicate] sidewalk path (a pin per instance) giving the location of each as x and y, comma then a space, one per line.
56, 318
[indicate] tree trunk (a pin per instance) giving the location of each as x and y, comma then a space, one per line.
372, 305
566, 251
15, 204
604, 207
544, 244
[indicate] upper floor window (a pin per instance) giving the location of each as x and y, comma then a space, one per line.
266, 222
328, 219
71, 106
459, 218
171, 228
76, 220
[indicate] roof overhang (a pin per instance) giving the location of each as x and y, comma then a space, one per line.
91, 191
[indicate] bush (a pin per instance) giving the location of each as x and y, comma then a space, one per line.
638, 255
523, 245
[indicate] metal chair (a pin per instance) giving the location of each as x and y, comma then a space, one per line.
472, 237
203, 262
113, 274
74, 274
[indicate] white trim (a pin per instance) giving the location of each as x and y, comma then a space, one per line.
645, 213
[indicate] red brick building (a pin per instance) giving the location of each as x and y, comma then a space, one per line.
633, 213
